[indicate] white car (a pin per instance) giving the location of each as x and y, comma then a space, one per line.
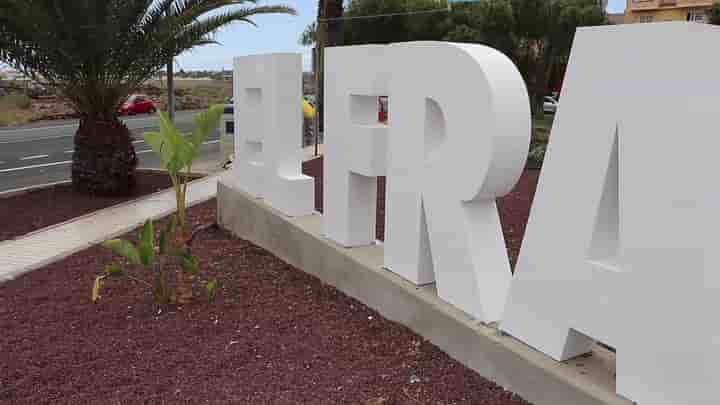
550, 105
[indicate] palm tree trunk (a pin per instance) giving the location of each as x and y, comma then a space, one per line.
104, 160
328, 33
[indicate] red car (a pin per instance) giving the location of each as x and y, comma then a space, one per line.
138, 104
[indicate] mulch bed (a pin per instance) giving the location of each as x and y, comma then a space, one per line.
514, 208
274, 335
27, 212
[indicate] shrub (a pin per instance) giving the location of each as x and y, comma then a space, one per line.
536, 155
172, 249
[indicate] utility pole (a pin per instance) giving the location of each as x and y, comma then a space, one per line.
328, 32
318, 67
171, 90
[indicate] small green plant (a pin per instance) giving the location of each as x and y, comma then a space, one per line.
171, 251
536, 155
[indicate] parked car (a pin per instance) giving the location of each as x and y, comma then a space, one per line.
550, 105
138, 104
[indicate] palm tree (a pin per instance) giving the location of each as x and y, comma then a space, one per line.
327, 32
96, 52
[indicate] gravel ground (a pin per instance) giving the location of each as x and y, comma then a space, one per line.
274, 335
514, 208
37, 209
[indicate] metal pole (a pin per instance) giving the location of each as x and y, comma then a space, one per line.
316, 119
171, 90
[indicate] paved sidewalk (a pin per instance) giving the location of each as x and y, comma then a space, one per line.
50, 244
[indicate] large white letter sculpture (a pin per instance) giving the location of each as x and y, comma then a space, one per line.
268, 116
458, 137
356, 143
622, 244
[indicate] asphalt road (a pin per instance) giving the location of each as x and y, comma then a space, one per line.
42, 153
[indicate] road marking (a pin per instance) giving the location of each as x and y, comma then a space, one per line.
69, 151
34, 157
209, 142
149, 117
17, 169
38, 128
139, 141
143, 151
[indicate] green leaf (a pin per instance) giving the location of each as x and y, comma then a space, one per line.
125, 249
146, 248
160, 147
205, 123
171, 140
97, 287
185, 152
189, 263
167, 234
113, 270
211, 287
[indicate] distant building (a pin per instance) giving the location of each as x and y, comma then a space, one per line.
12, 75
616, 18
643, 11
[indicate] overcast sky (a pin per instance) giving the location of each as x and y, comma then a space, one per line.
275, 33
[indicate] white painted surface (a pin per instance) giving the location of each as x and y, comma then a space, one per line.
459, 136
268, 116
33, 157
355, 142
622, 244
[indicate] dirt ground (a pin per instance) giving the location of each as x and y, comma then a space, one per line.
274, 335
514, 208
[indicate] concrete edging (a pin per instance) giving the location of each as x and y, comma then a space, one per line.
22, 190
16, 244
358, 273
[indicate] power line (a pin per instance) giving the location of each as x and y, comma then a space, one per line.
365, 17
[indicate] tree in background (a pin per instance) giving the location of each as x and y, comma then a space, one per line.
328, 32
490, 22
714, 14
544, 31
392, 21
535, 34
96, 52
307, 38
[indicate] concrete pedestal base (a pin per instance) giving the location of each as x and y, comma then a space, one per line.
358, 273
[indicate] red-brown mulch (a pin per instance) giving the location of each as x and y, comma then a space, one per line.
274, 335
27, 212
514, 208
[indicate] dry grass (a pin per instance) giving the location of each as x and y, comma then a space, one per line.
190, 94
14, 116
15, 109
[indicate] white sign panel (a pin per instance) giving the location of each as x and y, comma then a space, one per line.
459, 136
268, 116
356, 143
622, 243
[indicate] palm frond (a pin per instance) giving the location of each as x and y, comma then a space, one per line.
97, 51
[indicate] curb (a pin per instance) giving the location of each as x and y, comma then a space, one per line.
128, 227
22, 190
